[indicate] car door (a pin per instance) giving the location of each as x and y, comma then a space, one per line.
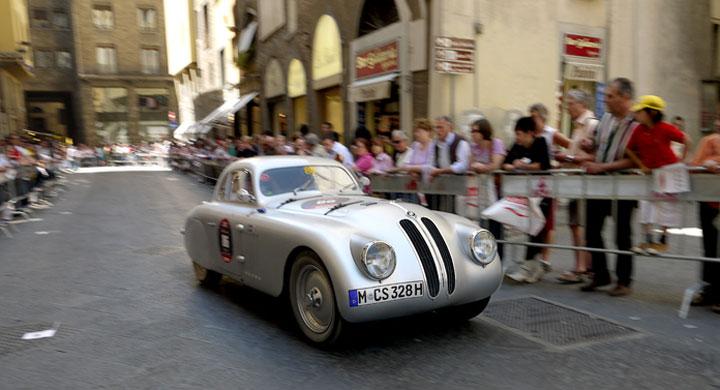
237, 202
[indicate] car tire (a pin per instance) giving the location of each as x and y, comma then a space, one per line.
312, 300
465, 312
206, 277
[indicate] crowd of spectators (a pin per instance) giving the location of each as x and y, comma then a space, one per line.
26, 165
631, 134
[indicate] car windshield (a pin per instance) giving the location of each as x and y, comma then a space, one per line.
323, 178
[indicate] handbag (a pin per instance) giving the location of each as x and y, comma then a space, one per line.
520, 213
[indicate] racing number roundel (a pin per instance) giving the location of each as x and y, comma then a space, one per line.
225, 237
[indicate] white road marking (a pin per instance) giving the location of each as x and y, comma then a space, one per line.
46, 232
635, 318
66, 212
689, 326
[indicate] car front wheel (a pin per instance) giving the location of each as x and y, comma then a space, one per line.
313, 300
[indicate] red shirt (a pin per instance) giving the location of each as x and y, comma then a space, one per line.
652, 145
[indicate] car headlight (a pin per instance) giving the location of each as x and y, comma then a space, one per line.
483, 247
378, 259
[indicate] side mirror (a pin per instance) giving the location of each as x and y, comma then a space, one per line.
364, 181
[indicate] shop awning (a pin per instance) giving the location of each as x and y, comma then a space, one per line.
374, 88
246, 37
183, 131
221, 113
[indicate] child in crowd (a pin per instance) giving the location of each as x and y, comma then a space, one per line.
382, 162
650, 147
530, 153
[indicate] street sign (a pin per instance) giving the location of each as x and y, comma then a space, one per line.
454, 55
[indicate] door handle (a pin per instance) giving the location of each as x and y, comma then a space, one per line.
212, 224
241, 259
240, 227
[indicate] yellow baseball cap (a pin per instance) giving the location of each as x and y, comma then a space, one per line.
649, 101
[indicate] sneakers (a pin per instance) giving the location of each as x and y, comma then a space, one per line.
641, 249
531, 271
537, 270
521, 274
620, 291
657, 248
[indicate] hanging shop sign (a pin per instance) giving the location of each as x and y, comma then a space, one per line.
377, 61
582, 46
583, 72
454, 55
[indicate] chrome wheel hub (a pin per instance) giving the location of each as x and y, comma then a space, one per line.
314, 299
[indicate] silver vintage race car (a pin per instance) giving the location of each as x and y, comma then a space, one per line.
301, 226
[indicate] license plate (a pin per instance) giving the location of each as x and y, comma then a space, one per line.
390, 292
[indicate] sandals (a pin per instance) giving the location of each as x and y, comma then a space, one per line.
571, 277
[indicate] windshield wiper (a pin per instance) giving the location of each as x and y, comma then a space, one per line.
341, 205
290, 200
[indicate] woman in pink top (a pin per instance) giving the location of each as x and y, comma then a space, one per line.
422, 151
488, 153
363, 157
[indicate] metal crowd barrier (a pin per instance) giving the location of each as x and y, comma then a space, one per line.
21, 196
568, 184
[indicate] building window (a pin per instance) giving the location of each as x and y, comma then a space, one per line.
150, 60
64, 59
106, 59
40, 18
102, 16
146, 18
60, 19
43, 58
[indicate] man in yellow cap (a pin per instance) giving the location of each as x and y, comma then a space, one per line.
650, 147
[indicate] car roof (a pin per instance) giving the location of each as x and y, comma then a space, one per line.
263, 163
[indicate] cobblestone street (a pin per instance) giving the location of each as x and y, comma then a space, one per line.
106, 265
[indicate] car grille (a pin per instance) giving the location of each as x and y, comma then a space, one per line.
444, 252
426, 259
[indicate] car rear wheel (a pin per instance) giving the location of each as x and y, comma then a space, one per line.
313, 300
206, 277
465, 312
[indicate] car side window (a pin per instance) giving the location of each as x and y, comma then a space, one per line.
238, 187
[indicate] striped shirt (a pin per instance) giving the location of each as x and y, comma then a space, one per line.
611, 137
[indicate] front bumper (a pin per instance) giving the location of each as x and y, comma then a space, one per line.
473, 283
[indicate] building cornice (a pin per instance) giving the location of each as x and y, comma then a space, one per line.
124, 77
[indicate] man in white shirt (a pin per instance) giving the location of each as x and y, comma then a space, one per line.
336, 150
452, 152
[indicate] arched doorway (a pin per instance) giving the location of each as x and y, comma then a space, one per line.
327, 72
377, 14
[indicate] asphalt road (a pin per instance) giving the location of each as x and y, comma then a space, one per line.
106, 265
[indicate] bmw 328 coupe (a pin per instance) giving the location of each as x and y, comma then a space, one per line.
301, 227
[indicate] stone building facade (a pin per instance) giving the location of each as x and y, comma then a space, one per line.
391, 65
296, 51
15, 65
105, 68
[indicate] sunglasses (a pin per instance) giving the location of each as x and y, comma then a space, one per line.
396, 141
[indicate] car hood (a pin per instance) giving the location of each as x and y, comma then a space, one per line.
364, 205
